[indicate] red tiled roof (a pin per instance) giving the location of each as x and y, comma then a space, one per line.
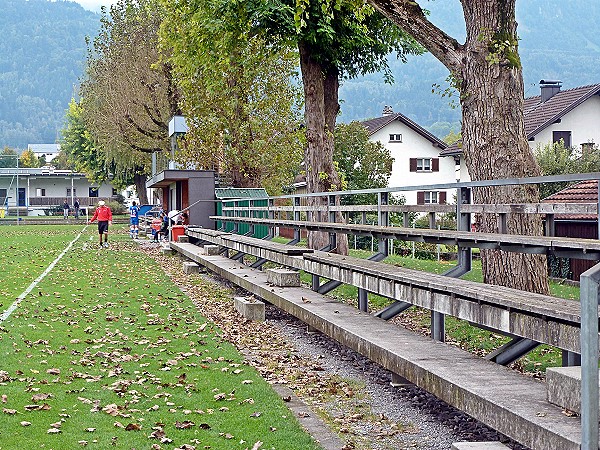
374, 125
581, 192
539, 115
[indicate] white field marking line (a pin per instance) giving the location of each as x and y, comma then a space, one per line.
26, 292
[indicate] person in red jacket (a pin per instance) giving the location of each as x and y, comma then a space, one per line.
104, 216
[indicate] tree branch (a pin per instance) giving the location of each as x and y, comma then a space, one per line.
409, 16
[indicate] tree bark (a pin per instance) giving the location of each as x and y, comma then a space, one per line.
488, 75
140, 187
321, 108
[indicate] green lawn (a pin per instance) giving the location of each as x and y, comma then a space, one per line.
107, 352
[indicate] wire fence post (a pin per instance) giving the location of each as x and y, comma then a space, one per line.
590, 285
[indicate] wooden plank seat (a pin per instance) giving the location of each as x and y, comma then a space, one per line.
558, 246
503, 399
224, 237
545, 319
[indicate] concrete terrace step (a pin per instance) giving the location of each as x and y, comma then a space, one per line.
545, 319
503, 399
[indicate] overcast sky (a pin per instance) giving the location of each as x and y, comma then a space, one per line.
94, 5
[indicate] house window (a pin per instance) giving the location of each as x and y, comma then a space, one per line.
69, 192
40, 192
3, 197
395, 138
564, 135
114, 191
431, 197
424, 164
93, 192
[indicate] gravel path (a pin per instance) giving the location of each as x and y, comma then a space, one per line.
349, 392
431, 423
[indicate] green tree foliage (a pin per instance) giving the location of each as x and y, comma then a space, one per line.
128, 96
77, 147
556, 159
8, 158
362, 164
240, 94
28, 159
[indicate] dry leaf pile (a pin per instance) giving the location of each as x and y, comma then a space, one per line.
343, 405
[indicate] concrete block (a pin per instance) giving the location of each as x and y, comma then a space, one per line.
210, 249
283, 277
564, 387
190, 267
479, 446
250, 308
398, 381
167, 250
183, 238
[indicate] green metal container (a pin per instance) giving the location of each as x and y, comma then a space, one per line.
224, 197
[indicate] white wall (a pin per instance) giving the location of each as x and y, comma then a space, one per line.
583, 123
55, 186
414, 145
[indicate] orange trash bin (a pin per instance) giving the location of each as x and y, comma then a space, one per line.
176, 231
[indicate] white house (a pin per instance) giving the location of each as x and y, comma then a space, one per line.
572, 115
46, 188
48, 151
416, 154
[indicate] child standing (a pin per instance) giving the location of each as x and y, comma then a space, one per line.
156, 226
134, 220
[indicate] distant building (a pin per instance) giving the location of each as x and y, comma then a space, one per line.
572, 115
49, 151
47, 188
416, 156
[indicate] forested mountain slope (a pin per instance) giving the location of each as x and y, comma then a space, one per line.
559, 41
42, 52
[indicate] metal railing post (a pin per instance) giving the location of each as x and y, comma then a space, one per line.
271, 216
383, 220
332, 236
590, 286
296, 204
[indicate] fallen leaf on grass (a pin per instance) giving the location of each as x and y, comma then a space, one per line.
204, 426
53, 371
133, 427
257, 445
186, 424
53, 431
44, 407
9, 411
39, 397
25, 423
90, 430
111, 409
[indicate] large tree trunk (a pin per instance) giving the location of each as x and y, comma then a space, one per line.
494, 141
321, 108
140, 187
488, 74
